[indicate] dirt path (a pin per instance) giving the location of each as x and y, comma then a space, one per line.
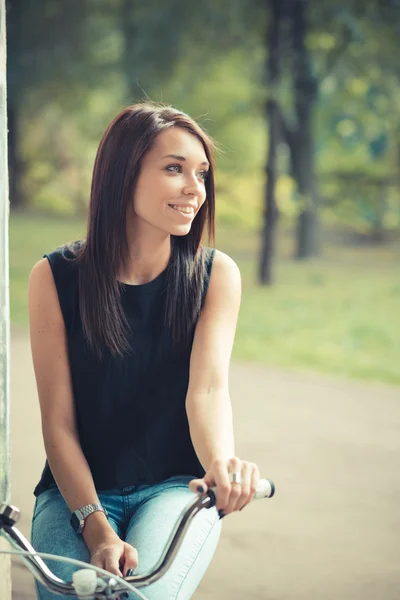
333, 449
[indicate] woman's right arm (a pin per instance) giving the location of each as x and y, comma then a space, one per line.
61, 441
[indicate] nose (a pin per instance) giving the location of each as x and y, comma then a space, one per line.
193, 186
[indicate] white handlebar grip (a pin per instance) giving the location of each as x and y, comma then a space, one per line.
265, 489
85, 582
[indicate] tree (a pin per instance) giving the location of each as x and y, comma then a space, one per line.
46, 49
274, 50
302, 147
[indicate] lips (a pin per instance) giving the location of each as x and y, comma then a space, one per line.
185, 209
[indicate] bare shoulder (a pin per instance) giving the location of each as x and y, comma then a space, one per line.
49, 351
41, 272
225, 276
42, 294
215, 331
41, 282
225, 263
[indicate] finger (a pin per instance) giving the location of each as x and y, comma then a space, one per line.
198, 486
96, 562
255, 479
111, 561
245, 486
102, 564
234, 466
131, 559
222, 483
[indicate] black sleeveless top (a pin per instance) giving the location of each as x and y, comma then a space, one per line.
130, 410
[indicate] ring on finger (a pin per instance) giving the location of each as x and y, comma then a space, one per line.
235, 477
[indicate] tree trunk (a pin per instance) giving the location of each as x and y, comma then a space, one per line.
303, 157
272, 110
128, 28
378, 228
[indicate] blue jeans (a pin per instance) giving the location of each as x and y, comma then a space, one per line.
143, 516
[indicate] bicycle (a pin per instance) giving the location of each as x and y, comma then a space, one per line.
92, 582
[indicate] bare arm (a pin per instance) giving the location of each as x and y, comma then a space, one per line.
50, 360
208, 403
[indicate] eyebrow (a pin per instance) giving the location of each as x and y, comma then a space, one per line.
182, 158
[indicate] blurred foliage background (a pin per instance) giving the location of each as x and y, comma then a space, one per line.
303, 99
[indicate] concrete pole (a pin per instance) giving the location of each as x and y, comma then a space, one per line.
5, 561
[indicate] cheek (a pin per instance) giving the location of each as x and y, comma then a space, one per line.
148, 194
161, 189
203, 199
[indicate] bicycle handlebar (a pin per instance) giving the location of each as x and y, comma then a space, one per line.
85, 582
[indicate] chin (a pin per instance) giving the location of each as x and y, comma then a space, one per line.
181, 231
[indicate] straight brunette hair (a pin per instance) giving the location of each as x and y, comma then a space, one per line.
116, 170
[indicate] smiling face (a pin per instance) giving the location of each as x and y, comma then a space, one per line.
170, 189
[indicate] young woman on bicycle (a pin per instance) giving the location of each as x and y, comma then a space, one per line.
131, 334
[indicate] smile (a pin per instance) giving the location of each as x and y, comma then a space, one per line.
186, 210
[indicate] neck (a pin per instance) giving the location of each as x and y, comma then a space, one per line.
148, 256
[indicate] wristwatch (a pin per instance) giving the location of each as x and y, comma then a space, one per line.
78, 516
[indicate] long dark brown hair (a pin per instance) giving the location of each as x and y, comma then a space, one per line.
116, 169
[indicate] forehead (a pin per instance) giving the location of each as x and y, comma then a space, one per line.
176, 140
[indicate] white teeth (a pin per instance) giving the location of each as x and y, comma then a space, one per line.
187, 210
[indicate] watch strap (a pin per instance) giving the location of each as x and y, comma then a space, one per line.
79, 516
87, 510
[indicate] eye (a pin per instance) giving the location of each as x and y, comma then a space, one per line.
174, 167
204, 174
178, 169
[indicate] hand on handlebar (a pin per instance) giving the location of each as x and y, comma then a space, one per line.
231, 496
115, 556
110, 552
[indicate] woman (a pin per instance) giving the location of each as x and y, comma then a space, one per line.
131, 334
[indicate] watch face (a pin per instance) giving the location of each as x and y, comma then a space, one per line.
75, 522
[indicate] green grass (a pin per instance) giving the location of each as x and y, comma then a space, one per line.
338, 314
30, 238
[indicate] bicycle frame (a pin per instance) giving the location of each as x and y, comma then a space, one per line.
108, 587
9, 515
